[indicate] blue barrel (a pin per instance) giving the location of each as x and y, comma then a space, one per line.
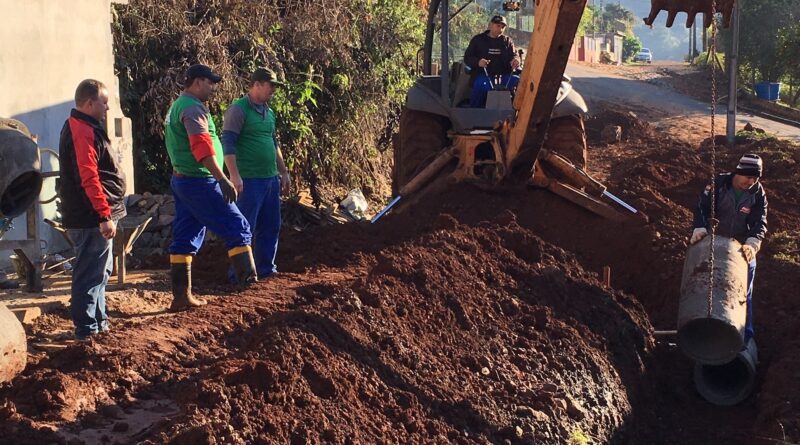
768, 90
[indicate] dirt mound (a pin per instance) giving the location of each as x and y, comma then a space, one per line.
473, 316
632, 126
468, 334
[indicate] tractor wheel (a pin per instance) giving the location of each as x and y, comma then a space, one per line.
567, 137
422, 135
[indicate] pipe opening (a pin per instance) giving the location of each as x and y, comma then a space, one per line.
726, 384
710, 341
20, 194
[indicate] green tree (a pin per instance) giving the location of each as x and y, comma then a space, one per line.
630, 47
587, 21
611, 18
617, 17
789, 53
348, 66
762, 21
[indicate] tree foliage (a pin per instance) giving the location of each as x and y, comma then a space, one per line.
762, 22
347, 63
587, 21
611, 18
631, 46
789, 51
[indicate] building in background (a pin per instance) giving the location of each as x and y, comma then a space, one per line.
48, 47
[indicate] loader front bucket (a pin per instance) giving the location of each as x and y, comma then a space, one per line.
691, 8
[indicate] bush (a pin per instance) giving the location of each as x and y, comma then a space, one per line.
630, 47
347, 65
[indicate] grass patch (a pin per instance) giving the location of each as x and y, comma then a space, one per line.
578, 438
754, 136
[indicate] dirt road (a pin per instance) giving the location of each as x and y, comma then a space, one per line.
682, 116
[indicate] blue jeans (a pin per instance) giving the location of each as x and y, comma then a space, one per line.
482, 85
260, 203
748, 327
89, 278
199, 204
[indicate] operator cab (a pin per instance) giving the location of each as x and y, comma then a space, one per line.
446, 92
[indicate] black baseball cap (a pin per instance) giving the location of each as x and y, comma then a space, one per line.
499, 19
265, 74
201, 71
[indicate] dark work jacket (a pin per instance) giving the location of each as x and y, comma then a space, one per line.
500, 51
742, 220
91, 186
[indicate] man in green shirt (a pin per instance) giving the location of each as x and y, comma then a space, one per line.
256, 166
204, 197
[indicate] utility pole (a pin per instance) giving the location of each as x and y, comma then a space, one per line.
705, 34
733, 57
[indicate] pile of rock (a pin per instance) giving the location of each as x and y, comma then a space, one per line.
154, 242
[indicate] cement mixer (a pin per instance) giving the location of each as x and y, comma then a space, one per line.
20, 184
20, 176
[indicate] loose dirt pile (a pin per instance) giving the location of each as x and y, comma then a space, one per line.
472, 317
466, 335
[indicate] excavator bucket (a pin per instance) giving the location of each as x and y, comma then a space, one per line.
691, 8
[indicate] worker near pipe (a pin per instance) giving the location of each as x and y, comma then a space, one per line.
741, 212
256, 166
492, 61
92, 190
204, 196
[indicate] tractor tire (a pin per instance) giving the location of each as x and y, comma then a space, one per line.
567, 137
422, 135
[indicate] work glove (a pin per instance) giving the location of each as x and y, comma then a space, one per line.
228, 191
750, 248
697, 235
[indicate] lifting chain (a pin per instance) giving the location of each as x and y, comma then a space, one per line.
712, 52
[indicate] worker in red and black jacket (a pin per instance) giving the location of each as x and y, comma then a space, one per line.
92, 190
740, 207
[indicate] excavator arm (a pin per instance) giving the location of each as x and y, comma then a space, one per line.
556, 24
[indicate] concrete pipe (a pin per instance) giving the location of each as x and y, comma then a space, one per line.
715, 338
20, 178
731, 383
13, 345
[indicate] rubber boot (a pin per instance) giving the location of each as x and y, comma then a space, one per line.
243, 265
180, 274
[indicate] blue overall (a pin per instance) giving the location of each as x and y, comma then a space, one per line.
748, 327
482, 85
260, 203
199, 204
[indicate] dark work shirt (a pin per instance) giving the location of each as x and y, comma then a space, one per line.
500, 51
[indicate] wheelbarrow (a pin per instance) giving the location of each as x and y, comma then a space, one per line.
127, 234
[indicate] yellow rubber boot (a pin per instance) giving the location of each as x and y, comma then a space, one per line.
243, 265
180, 274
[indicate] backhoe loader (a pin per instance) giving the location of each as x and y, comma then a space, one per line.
440, 138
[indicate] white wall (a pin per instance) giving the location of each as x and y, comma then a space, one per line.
49, 46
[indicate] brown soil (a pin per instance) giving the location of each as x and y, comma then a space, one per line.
472, 317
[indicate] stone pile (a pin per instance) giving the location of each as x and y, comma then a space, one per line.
154, 242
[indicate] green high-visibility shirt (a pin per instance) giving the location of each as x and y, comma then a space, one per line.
255, 146
188, 116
